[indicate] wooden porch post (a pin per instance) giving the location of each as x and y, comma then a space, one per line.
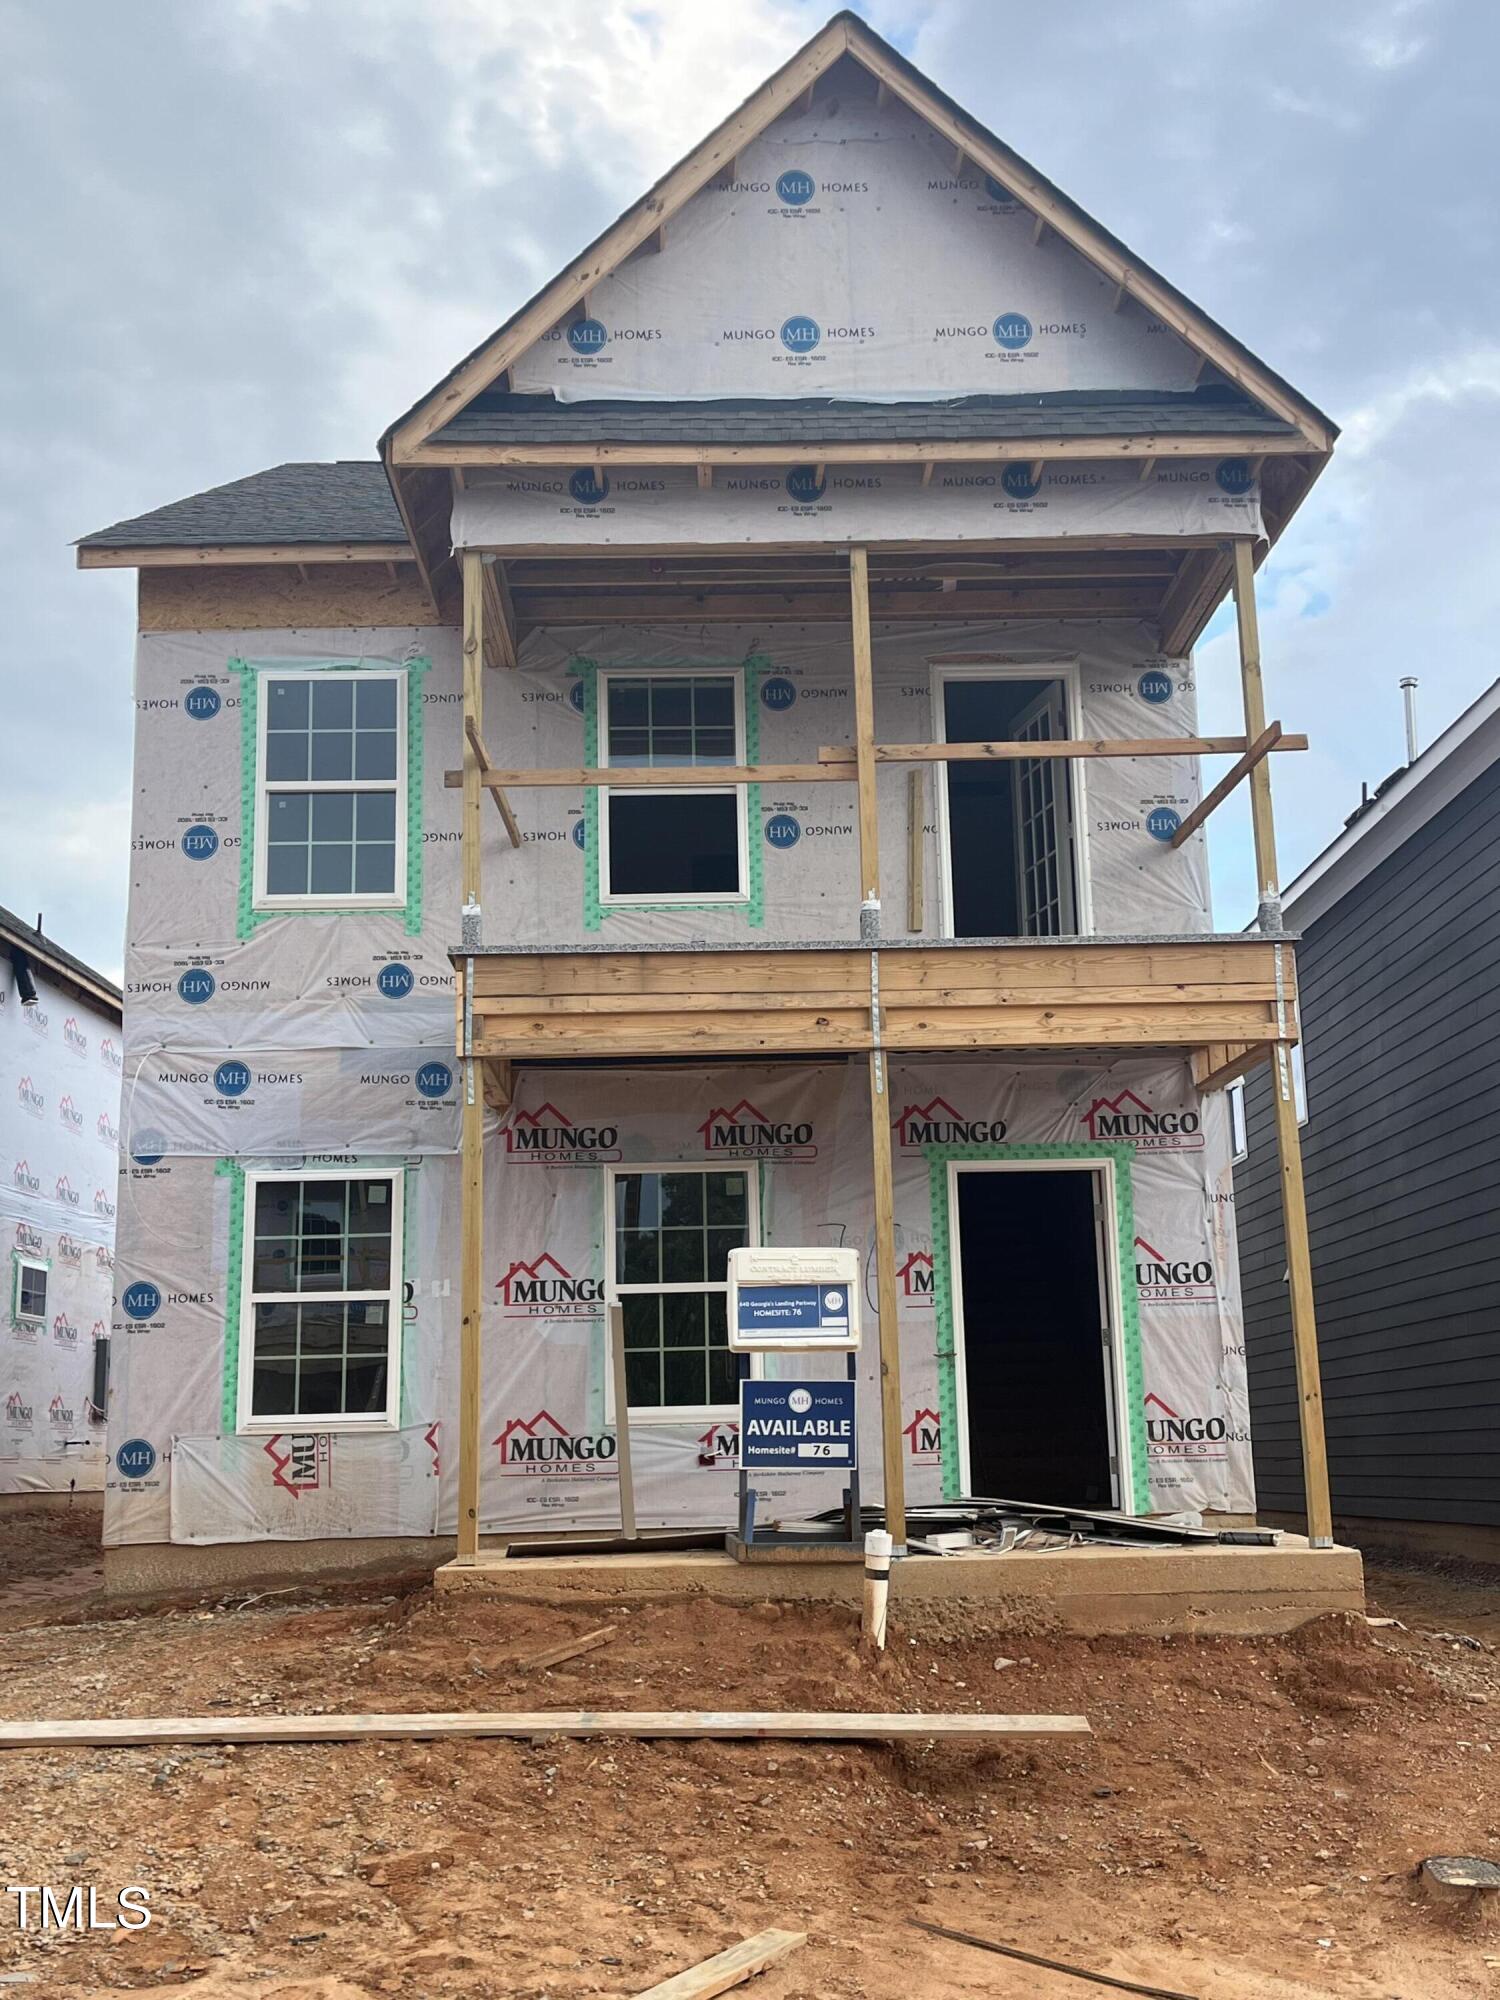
893, 1465
1288, 1137
471, 1261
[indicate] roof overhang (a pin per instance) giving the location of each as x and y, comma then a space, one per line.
125, 556
18, 940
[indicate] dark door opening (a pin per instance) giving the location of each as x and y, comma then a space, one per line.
1033, 1337
1010, 842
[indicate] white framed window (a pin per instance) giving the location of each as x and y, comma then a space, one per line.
684, 843
1238, 1132
330, 789
28, 1304
669, 1232
320, 1309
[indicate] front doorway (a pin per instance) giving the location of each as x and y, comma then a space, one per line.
1035, 1290
1008, 824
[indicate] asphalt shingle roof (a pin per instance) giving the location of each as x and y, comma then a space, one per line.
347, 501
497, 418
17, 935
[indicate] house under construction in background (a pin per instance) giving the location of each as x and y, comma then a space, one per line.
728, 775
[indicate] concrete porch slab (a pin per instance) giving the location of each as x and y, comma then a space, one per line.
1236, 1592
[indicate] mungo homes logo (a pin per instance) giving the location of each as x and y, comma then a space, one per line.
1171, 1435
1131, 1119
68, 1115
916, 1278
1169, 1281
546, 1289
24, 1179
937, 1123
540, 1445
30, 1098
745, 1133
300, 1463
546, 1137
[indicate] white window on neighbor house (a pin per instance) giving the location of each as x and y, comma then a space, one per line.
683, 843
320, 1314
29, 1298
670, 1232
330, 813
1240, 1143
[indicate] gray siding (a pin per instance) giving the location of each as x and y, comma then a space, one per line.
1400, 982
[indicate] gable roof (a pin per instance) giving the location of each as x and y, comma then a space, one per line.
846, 35
1465, 751
19, 939
300, 503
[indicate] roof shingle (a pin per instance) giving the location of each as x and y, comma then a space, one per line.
346, 501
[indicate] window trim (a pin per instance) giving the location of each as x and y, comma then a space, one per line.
614, 1292
1239, 1123
248, 1425
725, 899
25, 1261
262, 901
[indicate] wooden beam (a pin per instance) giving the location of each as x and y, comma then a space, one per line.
1252, 690
1300, 1290
705, 478
1199, 590
1038, 229
830, 607
625, 1471
231, 555
1020, 752
565, 1649
635, 776
778, 94
916, 868
1263, 745
499, 1083
790, 1725
489, 781
501, 648
471, 1194
892, 1437
900, 451
1226, 1062
728, 1968
864, 728
398, 485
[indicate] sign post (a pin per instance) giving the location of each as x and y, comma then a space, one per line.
796, 1302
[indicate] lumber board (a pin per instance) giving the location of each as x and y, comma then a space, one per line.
646, 606
224, 555
565, 1649
1018, 752
728, 1968
745, 995
901, 451
482, 757
791, 1725
1268, 740
697, 776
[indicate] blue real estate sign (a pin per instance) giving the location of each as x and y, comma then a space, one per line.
820, 1312
797, 1427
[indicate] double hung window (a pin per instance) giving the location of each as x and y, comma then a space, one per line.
682, 842
331, 790
321, 1313
29, 1299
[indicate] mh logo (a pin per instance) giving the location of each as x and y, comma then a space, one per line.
1162, 822
1020, 482
1012, 331
1234, 477
575, 696
800, 334
587, 336
783, 830
202, 703
395, 980
796, 188
778, 694
136, 1459
1001, 194
804, 484
142, 1300
434, 1079
588, 486
232, 1079
1154, 686
200, 843
196, 986
580, 833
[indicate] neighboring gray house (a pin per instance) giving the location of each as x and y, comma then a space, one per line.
1399, 971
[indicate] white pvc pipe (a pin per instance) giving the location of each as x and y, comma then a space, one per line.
877, 1585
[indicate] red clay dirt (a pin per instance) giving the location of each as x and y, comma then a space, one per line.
1242, 1825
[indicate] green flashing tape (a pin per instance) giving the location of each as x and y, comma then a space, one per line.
229, 1401
247, 918
1121, 1159
595, 910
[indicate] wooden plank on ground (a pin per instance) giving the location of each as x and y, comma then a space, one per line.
788, 1725
729, 1968
565, 1649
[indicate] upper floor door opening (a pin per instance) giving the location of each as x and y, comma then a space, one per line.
1011, 859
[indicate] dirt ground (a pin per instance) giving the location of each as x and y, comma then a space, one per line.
1242, 1825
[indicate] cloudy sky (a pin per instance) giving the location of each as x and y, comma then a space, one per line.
242, 231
